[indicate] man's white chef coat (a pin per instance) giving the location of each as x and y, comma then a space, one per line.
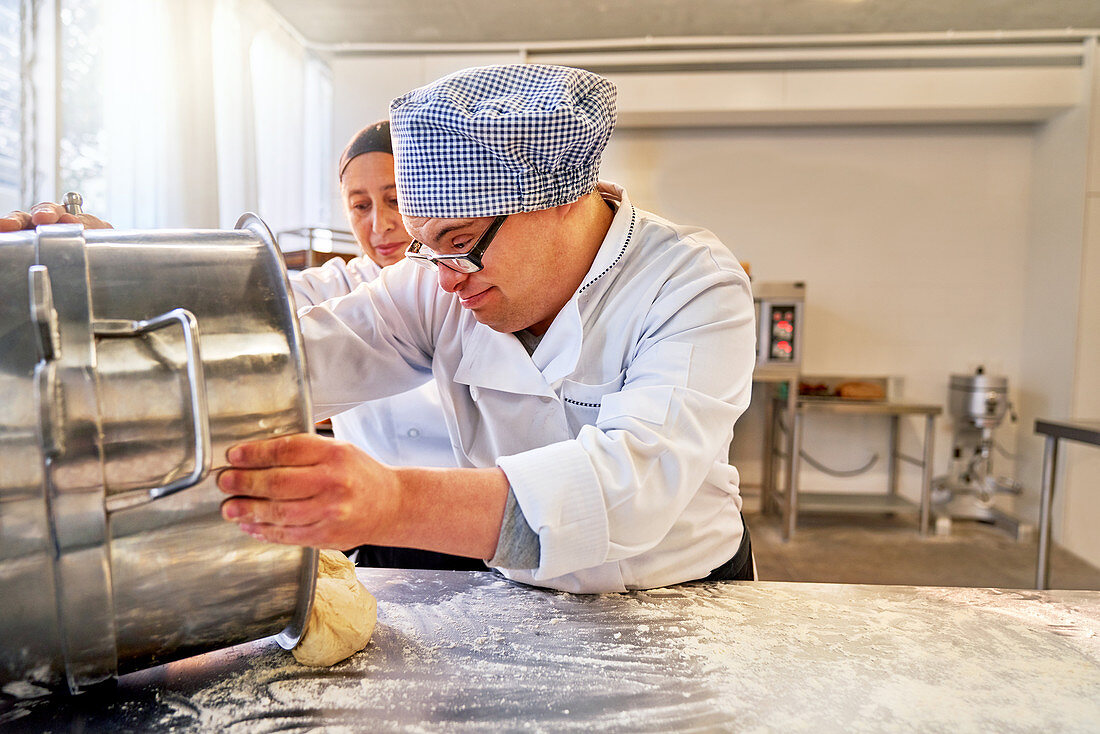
614, 434
407, 429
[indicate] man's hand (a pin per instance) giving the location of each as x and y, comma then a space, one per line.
309, 490
48, 213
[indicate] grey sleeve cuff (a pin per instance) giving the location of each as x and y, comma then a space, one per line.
518, 546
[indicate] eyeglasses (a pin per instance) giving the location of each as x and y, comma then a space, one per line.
466, 262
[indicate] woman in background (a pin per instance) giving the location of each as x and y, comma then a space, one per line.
406, 429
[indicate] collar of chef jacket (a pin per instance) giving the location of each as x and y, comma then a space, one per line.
494, 360
497, 361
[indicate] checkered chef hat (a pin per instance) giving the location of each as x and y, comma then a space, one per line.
500, 139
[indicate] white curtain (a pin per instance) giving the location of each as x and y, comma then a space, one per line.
234, 121
320, 156
273, 119
278, 90
159, 147
212, 109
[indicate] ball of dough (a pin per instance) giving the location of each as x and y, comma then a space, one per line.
343, 616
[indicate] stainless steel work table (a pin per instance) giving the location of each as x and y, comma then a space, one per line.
1082, 431
771, 376
467, 651
794, 500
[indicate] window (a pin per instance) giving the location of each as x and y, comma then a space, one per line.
80, 142
144, 108
32, 167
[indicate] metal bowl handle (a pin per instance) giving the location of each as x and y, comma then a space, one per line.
197, 383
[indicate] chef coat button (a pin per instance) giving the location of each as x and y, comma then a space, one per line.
413, 432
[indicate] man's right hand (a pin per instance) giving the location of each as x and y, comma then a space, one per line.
48, 213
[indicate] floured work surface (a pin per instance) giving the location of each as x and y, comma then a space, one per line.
459, 652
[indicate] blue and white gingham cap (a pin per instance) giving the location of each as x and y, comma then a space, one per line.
500, 139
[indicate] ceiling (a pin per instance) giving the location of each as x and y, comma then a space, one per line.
360, 25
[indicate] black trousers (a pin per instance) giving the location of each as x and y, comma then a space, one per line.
376, 556
738, 568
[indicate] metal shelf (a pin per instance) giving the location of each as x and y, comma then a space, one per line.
838, 502
791, 501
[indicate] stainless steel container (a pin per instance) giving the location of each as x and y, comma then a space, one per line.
979, 398
129, 362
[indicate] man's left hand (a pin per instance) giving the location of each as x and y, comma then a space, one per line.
309, 490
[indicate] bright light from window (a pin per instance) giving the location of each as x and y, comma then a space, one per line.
11, 109
81, 153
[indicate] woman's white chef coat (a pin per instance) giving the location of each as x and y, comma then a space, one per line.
614, 434
407, 429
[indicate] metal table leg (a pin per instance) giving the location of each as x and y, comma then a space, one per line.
892, 462
926, 475
1046, 498
767, 479
795, 448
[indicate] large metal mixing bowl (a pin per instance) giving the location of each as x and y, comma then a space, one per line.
979, 398
129, 362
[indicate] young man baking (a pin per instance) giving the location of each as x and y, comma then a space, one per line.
592, 358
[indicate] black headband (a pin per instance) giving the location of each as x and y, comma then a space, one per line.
371, 139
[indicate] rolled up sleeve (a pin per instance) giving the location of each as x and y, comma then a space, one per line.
559, 494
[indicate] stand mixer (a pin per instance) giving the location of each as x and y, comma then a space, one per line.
978, 404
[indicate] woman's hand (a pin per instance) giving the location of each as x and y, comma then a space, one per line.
309, 490
48, 213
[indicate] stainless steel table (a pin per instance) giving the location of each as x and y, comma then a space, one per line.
771, 376
1083, 431
888, 502
463, 652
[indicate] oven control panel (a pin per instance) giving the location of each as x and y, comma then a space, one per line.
781, 335
779, 321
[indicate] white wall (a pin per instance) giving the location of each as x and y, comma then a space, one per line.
1051, 292
911, 241
1061, 358
1076, 526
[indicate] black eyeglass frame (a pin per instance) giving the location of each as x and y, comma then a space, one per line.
466, 262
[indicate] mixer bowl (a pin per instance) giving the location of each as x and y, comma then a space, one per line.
979, 398
129, 362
